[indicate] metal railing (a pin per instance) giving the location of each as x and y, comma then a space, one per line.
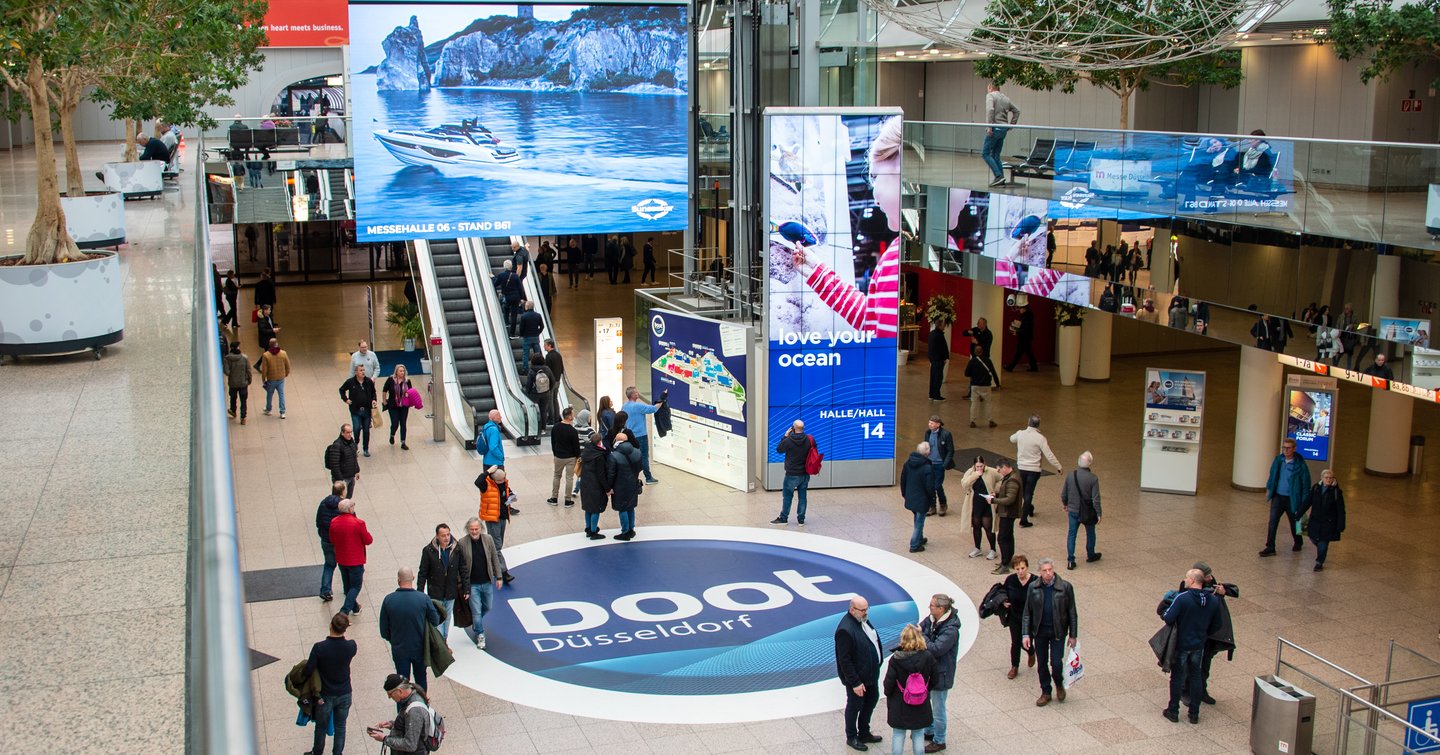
219, 709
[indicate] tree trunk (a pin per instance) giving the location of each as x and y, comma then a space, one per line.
48, 241
132, 127
74, 178
1125, 109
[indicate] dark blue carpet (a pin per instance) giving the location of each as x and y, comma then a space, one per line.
411, 360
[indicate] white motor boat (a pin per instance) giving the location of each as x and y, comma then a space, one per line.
466, 144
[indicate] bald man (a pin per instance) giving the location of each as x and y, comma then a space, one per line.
1195, 615
406, 616
489, 442
857, 659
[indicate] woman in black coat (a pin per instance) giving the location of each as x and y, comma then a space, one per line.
910, 658
594, 484
625, 466
1326, 504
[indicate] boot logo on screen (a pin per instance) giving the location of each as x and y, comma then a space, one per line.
652, 209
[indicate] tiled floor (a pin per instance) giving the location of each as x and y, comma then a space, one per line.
94, 498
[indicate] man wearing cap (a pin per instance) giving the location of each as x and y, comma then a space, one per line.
942, 457
403, 735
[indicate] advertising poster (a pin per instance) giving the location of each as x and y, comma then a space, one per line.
1404, 330
1167, 389
1174, 417
832, 286
538, 119
307, 23
1308, 418
1016, 229
701, 364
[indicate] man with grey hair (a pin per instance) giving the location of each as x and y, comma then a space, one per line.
1080, 497
480, 576
1000, 112
349, 537
364, 357
796, 446
1048, 625
1195, 614
942, 640
917, 485
405, 618
509, 287
1030, 446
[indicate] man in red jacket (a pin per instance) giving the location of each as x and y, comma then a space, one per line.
349, 536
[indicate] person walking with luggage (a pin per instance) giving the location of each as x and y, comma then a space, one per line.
1030, 447
1017, 585
1050, 624
237, 380
1007, 502
908, 700
331, 657
397, 403
358, 393
439, 573
405, 618
982, 376
1080, 497
350, 537
1326, 506
857, 660
1285, 490
795, 445
942, 457
941, 630
1195, 614
917, 485
976, 488
342, 461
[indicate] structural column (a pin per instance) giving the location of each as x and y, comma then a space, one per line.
1257, 418
1095, 345
987, 300
1387, 447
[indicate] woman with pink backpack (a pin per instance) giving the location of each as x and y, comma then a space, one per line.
907, 692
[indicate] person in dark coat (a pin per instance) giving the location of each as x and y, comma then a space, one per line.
328, 509
265, 326
939, 351
982, 335
907, 720
1326, 504
360, 397
917, 484
857, 662
232, 294
594, 484
1015, 586
265, 287
1195, 614
649, 260
1050, 624
1007, 502
627, 259
546, 400
439, 573
795, 445
1024, 337
612, 259
1221, 640
941, 630
625, 483
573, 260
942, 457
404, 617
343, 461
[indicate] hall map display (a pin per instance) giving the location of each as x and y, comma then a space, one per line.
711, 384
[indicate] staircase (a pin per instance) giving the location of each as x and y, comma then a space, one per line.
471, 372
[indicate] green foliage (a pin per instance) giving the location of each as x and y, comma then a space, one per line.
1069, 315
1390, 37
405, 317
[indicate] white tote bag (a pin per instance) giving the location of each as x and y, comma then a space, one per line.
1074, 667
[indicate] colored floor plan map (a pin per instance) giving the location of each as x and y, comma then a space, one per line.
711, 385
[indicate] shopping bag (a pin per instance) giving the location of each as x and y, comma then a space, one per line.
1074, 667
376, 420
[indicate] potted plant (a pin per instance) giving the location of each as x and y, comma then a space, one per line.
1067, 350
184, 55
940, 312
406, 319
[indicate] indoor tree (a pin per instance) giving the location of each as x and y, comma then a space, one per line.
1391, 37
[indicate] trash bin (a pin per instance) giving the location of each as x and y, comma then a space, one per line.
1417, 454
1282, 718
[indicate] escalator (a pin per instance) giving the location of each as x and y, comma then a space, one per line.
341, 204
471, 371
496, 252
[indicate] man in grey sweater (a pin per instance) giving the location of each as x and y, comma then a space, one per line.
1081, 497
999, 112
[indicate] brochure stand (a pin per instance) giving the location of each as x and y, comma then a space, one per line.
1174, 416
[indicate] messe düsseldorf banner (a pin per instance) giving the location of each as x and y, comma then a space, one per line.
701, 366
832, 287
536, 119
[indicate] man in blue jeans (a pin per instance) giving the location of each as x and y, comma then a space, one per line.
1195, 614
635, 427
406, 616
480, 573
796, 446
329, 509
942, 640
531, 326
331, 657
917, 485
1081, 497
1050, 624
999, 112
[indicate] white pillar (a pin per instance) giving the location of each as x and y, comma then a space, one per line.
1387, 448
1257, 418
987, 300
1385, 299
1095, 345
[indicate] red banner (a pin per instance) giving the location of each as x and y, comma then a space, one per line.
308, 23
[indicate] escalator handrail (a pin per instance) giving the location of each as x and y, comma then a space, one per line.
495, 337
531, 285
459, 414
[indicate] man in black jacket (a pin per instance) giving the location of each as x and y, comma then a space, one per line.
796, 446
857, 660
565, 447
981, 375
405, 616
1024, 337
939, 354
1195, 614
342, 461
917, 485
985, 338
1049, 625
942, 457
530, 326
358, 393
439, 573
328, 509
554, 361
508, 288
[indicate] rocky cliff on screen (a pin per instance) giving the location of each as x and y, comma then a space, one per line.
598, 49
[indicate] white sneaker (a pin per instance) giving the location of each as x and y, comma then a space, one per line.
480, 642
990, 556
974, 553
282, 415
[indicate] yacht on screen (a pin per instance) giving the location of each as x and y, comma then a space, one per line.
466, 144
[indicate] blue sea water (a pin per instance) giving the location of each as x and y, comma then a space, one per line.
587, 160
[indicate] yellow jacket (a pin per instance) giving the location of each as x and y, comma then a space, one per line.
274, 366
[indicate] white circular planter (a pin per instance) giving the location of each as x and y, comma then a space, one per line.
135, 180
55, 309
96, 220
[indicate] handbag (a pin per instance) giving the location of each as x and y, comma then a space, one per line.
461, 612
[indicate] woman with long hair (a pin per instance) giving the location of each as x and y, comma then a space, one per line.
907, 704
396, 391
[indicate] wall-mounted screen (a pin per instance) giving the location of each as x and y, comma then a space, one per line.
1308, 416
538, 119
1016, 229
1176, 391
832, 287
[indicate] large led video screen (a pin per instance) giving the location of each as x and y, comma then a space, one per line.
537, 119
832, 286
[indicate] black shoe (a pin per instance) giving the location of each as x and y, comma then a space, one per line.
1070, 564
594, 535
1298, 545
514, 510
1185, 701
1093, 558
357, 608
1319, 567
552, 501
924, 541
929, 736
800, 522
392, 440
1171, 716
626, 535
327, 597
1193, 718
779, 521
1027, 524
871, 738
937, 398
403, 446
569, 503
917, 549
507, 577
1268, 552
855, 744
1207, 699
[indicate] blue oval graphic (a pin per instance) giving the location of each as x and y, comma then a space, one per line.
686, 617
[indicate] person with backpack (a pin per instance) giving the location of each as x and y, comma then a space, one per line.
540, 384
414, 723
489, 443
1080, 497
907, 691
797, 447
941, 630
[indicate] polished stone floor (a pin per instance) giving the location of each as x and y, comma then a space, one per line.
95, 494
